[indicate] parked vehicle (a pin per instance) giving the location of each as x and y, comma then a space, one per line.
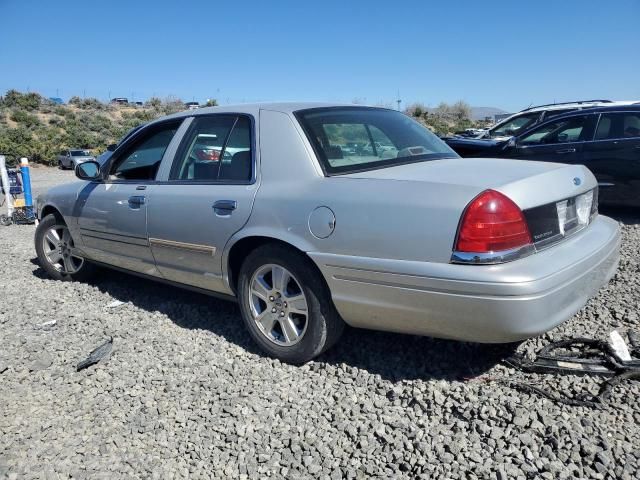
605, 139
74, 157
472, 132
521, 121
306, 236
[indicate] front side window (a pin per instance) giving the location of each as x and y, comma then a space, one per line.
562, 131
515, 125
216, 148
348, 139
142, 159
618, 126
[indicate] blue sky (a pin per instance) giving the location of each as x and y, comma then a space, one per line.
506, 54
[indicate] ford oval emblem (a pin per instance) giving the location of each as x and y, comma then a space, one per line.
576, 181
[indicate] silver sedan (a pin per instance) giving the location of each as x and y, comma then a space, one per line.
282, 210
73, 157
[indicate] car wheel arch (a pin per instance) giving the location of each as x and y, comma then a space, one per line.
239, 250
51, 210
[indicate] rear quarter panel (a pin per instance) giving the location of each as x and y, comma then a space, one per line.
374, 217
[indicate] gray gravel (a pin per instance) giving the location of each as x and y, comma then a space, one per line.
186, 394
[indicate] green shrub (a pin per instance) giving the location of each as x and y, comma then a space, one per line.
24, 101
15, 143
87, 103
24, 118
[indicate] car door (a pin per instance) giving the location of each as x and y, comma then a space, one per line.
614, 157
112, 213
558, 140
205, 197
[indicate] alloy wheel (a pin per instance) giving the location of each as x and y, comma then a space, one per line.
57, 246
278, 305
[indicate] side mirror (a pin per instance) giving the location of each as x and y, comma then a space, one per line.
512, 143
89, 170
111, 147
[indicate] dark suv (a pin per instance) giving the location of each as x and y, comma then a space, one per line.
604, 139
467, 145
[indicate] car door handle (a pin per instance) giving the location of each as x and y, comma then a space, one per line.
224, 207
566, 150
136, 200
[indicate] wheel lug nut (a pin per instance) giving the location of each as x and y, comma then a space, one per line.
285, 304
273, 310
271, 299
282, 314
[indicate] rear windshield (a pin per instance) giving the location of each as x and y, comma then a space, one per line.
353, 139
79, 153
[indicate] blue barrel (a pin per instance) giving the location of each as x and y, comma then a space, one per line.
26, 186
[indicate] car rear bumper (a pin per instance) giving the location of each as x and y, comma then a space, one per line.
491, 304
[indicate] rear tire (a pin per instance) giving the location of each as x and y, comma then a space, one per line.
293, 319
54, 247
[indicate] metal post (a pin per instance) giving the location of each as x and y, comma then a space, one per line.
6, 186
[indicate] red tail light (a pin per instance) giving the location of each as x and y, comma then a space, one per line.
492, 222
209, 154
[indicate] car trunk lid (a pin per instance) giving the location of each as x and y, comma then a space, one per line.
552, 196
520, 180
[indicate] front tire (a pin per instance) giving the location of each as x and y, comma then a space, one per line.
55, 250
286, 305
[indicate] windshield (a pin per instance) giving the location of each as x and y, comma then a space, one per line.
79, 153
512, 126
351, 139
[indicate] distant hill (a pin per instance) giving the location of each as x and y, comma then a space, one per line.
480, 113
34, 127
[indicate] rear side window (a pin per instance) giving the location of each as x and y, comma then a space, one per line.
142, 159
216, 148
350, 139
618, 125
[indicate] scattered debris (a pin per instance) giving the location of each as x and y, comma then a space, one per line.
3, 368
96, 355
115, 304
581, 356
619, 346
46, 325
41, 362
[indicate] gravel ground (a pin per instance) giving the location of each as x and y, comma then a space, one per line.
186, 394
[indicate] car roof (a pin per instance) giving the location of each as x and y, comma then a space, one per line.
576, 104
634, 107
254, 108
